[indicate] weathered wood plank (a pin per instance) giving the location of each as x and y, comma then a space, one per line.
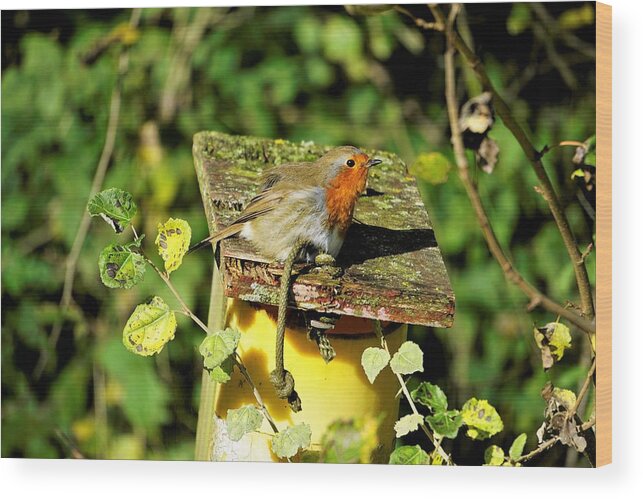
393, 269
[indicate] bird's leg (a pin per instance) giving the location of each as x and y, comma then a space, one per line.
327, 264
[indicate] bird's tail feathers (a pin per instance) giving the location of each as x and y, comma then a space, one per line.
215, 238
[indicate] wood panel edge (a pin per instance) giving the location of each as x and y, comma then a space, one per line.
604, 234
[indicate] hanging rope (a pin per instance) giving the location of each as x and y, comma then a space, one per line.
280, 378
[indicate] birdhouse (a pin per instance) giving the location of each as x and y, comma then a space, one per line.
391, 270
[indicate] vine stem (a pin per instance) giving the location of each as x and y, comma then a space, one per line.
549, 194
536, 297
550, 443
436, 441
237, 360
71, 261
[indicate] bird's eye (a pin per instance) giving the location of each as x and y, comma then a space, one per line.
350, 163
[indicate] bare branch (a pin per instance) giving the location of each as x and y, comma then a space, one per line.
582, 279
550, 443
536, 297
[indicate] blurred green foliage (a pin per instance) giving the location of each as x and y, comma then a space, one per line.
301, 73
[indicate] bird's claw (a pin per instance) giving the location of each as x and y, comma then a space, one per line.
326, 264
324, 259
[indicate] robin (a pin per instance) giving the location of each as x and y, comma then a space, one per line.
309, 204
302, 212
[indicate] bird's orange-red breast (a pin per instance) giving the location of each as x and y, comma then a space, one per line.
310, 202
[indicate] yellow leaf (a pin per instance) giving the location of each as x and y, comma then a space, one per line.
173, 241
431, 167
149, 328
127, 34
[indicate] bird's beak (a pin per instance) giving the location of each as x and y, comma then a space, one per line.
373, 162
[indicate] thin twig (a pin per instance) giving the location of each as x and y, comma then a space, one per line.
564, 143
69, 444
419, 22
549, 443
436, 441
536, 297
255, 391
538, 450
571, 40
583, 390
503, 111
587, 251
570, 415
108, 148
185, 38
556, 59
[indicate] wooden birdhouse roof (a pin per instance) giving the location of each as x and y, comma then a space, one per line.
393, 269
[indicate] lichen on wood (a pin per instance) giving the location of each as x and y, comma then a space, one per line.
393, 269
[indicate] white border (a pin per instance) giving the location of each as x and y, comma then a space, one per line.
103, 479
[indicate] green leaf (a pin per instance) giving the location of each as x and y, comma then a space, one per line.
576, 18
409, 454
431, 396
350, 441
481, 418
518, 445
149, 328
307, 34
115, 206
318, 71
445, 423
243, 420
407, 424
367, 10
218, 346
68, 396
287, 442
373, 361
222, 373
173, 241
342, 40
518, 19
408, 359
494, 456
144, 398
121, 266
431, 167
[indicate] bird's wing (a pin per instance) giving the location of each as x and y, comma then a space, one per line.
282, 173
276, 186
262, 203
